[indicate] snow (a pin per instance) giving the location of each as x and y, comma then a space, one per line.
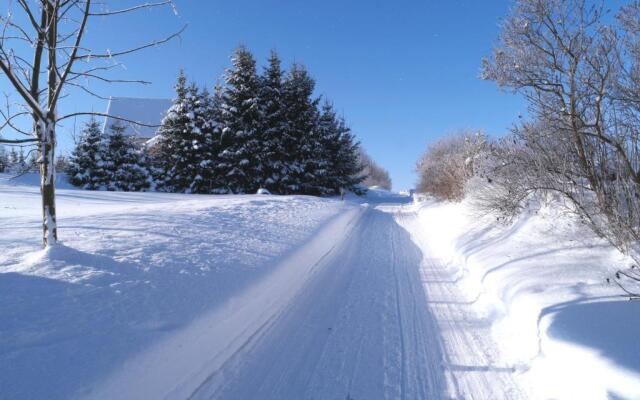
156, 295
144, 110
263, 191
540, 284
133, 270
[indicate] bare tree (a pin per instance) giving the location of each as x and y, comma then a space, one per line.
375, 174
580, 73
43, 57
447, 165
580, 78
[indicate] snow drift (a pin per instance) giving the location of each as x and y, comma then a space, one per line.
541, 284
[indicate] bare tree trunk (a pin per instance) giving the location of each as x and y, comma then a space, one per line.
47, 181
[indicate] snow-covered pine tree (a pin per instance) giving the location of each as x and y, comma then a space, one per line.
216, 169
4, 159
329, 178
206, 145
241, 118
301, 142
13, 158
347, 164
86, 167
273, 127
184, 137
125, 164
22, 161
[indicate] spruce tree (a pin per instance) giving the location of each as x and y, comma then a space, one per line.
183, 137
13, 160
329, 176
206, 143
239, 161
346, 164
4, 159
125, 164
301, 142
86, 167
273, 127
216, 168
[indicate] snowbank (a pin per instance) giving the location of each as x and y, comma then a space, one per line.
541, 283
136, 271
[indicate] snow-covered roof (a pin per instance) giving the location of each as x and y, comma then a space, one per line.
144, 110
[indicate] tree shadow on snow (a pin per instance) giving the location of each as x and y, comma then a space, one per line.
611, 327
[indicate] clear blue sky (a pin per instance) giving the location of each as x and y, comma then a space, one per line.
402, 72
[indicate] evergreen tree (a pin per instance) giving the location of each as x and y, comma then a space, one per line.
339, 166
328, 177
4, 159
206, 145
301, 142
22, 161
185, 135
273, 127
125, 165
13, 159
241, 118
216, 169
86, 167
346, 164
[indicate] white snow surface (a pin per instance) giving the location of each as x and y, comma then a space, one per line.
135, 270
539, 289
167, 296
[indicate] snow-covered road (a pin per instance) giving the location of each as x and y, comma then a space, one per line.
378, 320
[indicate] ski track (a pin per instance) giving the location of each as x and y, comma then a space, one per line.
472, 360
376, 320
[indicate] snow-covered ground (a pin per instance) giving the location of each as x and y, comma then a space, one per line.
154, 296
135, 270
539, 285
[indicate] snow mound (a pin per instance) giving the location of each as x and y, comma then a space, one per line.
64, 264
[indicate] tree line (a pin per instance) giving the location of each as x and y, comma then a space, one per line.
254, 131
579, 70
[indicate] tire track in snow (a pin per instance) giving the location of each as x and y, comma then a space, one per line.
333, 340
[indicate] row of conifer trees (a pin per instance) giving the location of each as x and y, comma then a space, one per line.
255, 131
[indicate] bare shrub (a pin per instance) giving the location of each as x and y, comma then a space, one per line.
447, 165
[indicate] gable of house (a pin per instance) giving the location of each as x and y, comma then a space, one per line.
144, 110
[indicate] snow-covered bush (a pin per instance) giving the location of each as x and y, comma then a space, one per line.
447, 165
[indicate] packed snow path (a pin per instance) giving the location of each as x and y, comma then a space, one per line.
365, 327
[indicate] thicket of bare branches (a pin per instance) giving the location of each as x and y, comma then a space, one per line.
44, 58
447, 165
375, 174
581, 77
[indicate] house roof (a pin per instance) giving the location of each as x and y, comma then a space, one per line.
144, 110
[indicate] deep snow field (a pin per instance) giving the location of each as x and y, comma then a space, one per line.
173, 296
132, 270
